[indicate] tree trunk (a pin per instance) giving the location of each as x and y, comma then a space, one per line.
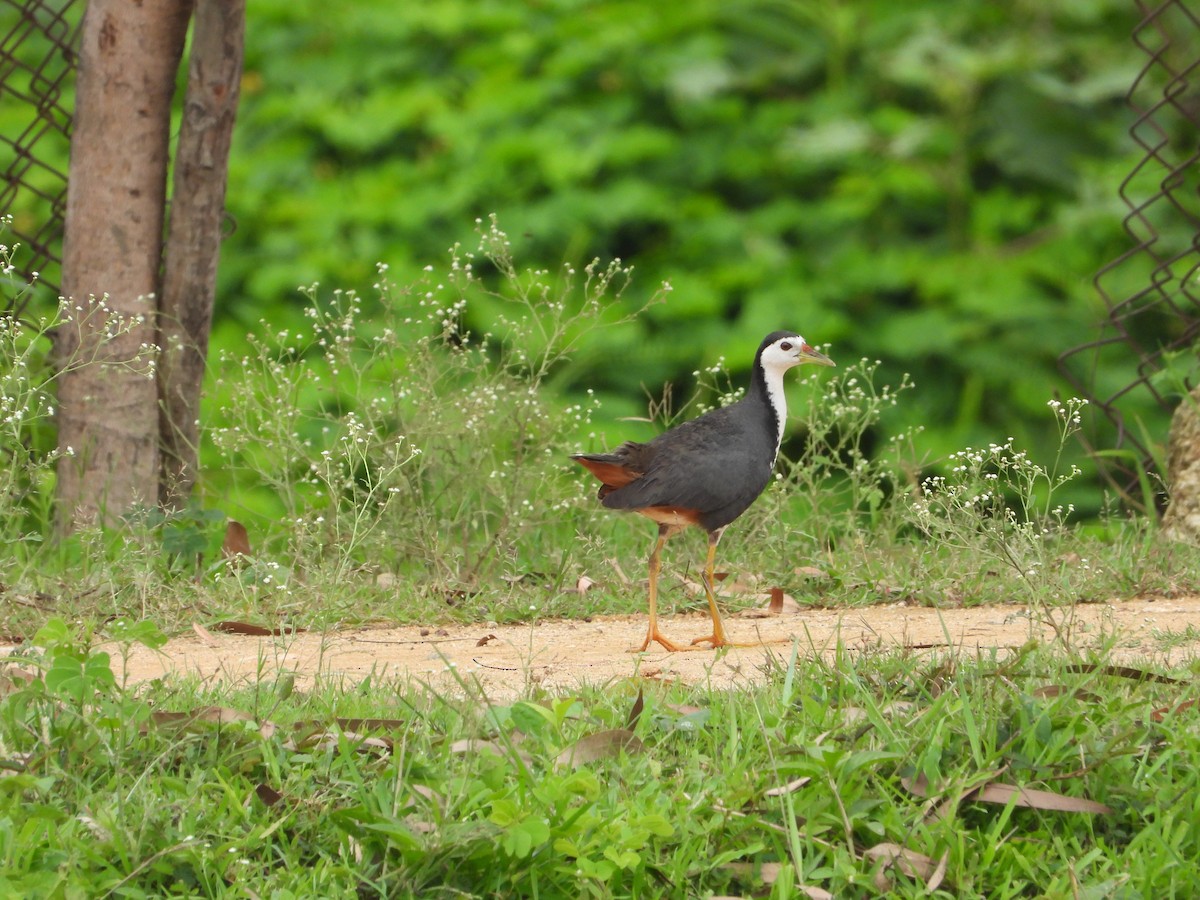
193, 239
128, 60
1182, 519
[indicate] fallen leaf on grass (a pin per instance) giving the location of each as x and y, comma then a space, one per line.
204, 715
237, 541
205, 718
1036, 799
635, 712
778, 604
1061, 690
332, 740
98, 831
621, 576
370, 724
525, 578
1003, 794
13, 679
584, 584
811, 572
909, 862
601, 745
1122, 672
1160, 715
768, 874
206, 637
790, 788
455, 596
475, 745
246, 629
268, 795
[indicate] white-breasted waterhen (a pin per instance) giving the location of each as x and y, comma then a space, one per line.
705, 472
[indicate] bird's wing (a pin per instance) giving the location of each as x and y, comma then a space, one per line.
705, 469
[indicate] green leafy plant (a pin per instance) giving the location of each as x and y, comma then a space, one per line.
404, 439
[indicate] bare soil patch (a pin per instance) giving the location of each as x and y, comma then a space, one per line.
506, 660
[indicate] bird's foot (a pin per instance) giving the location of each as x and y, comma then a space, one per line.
656, 636
719, 640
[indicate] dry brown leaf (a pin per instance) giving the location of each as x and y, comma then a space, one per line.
206, 637
1061, 690
895, 856
813, 572
475, 745
371, 724
778, 604
635, 712
525, 578
768, 874
419, 826
775, 607
13, 679
1036, 799
621, 576
267, 794
584, 584
247, 629
98, 831
853, 715
201, 717
1122, 672
790, 788
601, 745
485, 640
1161, 713
934, 881
237, 541
1002, 794
427, 792
332, 740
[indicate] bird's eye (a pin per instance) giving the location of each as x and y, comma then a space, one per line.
786, 345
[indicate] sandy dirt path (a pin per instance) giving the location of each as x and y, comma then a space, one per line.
506, 660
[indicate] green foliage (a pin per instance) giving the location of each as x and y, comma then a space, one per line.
813, 780
930, 186
925, 185
403, 440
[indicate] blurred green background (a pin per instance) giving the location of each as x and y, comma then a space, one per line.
929, 184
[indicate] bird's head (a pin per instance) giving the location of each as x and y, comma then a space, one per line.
781, 350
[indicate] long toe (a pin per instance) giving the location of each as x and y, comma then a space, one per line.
657, 637
720, 640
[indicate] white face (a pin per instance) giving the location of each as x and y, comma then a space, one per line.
791, 351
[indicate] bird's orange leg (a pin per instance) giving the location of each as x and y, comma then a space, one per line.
664, 532
717, 638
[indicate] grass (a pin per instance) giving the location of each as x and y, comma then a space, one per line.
816, 780
397, 466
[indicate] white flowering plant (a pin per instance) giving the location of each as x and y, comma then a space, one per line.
999, 501
400, 439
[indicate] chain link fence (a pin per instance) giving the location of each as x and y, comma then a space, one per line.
1152, 291
38, 41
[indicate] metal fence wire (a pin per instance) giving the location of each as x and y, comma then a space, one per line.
38, 41
1152, 291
